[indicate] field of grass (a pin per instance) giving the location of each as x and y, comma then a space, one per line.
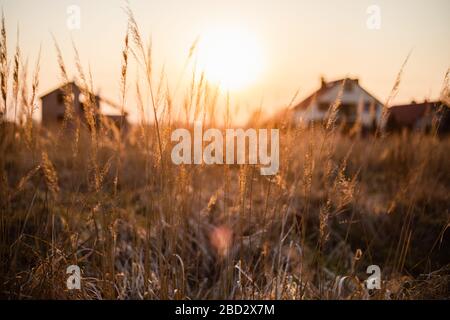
140, 227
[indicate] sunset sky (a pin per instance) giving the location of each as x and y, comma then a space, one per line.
293, 43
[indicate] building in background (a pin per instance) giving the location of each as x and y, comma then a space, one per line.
54, 107
356, 106
422, 117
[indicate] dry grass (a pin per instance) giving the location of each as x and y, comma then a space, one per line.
142, 228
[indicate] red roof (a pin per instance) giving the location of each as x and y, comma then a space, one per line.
409, 114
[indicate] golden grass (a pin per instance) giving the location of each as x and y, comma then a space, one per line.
142, 228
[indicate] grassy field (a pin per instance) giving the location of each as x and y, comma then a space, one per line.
140, 227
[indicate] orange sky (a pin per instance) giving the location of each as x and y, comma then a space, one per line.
297, 41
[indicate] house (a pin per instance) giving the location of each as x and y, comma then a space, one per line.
357, 105
54, 107
419, 117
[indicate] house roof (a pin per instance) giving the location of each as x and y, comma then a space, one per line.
326, 86
409, 114
71, 83
74, 84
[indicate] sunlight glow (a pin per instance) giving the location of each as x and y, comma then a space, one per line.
230, 58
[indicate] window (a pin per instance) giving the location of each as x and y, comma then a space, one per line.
348, 110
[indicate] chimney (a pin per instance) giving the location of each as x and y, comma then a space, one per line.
323, 83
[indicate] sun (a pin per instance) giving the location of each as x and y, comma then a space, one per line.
230, 58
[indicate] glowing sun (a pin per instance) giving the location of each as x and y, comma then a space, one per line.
230, 58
